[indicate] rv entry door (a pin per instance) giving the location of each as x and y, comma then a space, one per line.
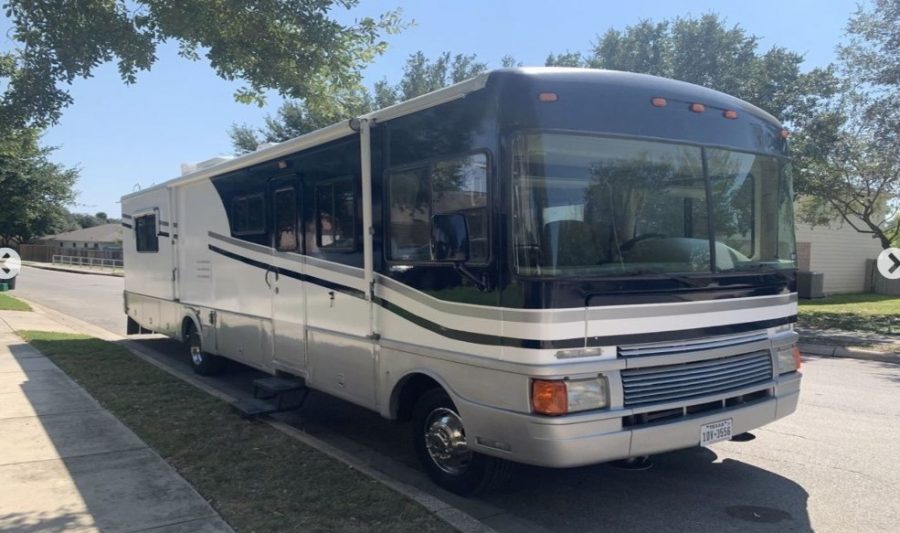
285, 280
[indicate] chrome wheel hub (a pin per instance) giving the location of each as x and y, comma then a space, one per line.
445, 440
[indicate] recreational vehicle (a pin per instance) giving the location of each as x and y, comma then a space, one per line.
557, 267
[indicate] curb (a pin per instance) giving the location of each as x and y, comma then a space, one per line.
46, 266
453, 516
848, 352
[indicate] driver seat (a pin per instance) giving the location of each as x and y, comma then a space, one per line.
568, 243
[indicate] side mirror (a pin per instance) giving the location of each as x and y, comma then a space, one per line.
449, 238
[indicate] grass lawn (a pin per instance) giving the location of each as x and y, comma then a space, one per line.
877, 313
8, 303
258, 478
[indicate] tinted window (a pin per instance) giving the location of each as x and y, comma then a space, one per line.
145, 236
285, 219
450, 186
248, 215
336, 215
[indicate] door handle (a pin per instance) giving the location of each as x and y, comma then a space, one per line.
268, 284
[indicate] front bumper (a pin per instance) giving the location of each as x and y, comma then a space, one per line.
584, 439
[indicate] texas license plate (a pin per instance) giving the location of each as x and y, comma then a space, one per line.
715, 432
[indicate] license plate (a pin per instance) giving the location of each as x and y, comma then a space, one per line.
715, 432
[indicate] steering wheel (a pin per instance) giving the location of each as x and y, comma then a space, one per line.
629, 244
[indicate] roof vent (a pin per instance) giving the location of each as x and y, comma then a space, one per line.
188, 168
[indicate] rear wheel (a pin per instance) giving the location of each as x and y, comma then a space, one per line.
439, 437
202, 362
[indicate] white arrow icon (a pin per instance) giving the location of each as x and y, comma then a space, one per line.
889, 263
10, 263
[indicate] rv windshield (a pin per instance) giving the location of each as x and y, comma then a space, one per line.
598, 206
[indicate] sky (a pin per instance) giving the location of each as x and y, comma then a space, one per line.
125, 136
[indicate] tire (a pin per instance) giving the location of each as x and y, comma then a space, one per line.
435, 419
203, 363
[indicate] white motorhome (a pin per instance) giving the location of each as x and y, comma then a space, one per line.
557, 267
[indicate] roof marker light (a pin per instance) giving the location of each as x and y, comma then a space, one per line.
698, 108
658, 102
548, 97
730, 114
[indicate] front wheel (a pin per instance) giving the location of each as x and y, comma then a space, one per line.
439, 437
203, 363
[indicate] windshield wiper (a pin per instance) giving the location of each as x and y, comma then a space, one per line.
748, 267
691, 282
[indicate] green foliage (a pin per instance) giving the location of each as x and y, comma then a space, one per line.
849, 151
872, 54
35, 190
295, 47
420, 75
706, 52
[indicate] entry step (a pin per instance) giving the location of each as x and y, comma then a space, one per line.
265, 387
254, 407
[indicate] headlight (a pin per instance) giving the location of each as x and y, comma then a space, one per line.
788, 359
559, 397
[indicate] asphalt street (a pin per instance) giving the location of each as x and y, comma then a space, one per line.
832, 466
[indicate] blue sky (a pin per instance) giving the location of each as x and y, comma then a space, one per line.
121, 136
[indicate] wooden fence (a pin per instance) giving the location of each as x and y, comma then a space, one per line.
879, 284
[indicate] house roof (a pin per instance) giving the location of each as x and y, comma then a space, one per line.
101, 233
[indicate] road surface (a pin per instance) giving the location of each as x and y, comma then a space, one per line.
832, 466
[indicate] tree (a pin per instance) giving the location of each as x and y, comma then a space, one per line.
706, 52
849, 152
420, 75
296, 47
35, 190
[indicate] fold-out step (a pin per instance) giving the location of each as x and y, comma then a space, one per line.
271, 386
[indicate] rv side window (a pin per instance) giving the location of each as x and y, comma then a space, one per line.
248, 215
285, 220
145, 237
456, 185
336, 216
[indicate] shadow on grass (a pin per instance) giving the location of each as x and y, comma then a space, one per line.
258, 478
687, 490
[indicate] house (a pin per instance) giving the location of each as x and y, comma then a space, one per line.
105, 237
839, 252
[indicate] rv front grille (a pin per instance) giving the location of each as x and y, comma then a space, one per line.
693, 345
672, 383
671, 415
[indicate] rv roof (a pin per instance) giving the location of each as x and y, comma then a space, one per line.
453, 92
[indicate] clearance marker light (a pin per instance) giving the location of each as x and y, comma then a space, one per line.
658, 102
698, 108
730, 114
547, 97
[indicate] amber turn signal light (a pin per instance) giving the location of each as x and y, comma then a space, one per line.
549, 397
548, 97
797, 357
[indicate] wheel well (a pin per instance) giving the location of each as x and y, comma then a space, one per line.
187, 326
410, 389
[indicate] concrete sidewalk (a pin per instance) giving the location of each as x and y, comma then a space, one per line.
853, 344
68, 464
